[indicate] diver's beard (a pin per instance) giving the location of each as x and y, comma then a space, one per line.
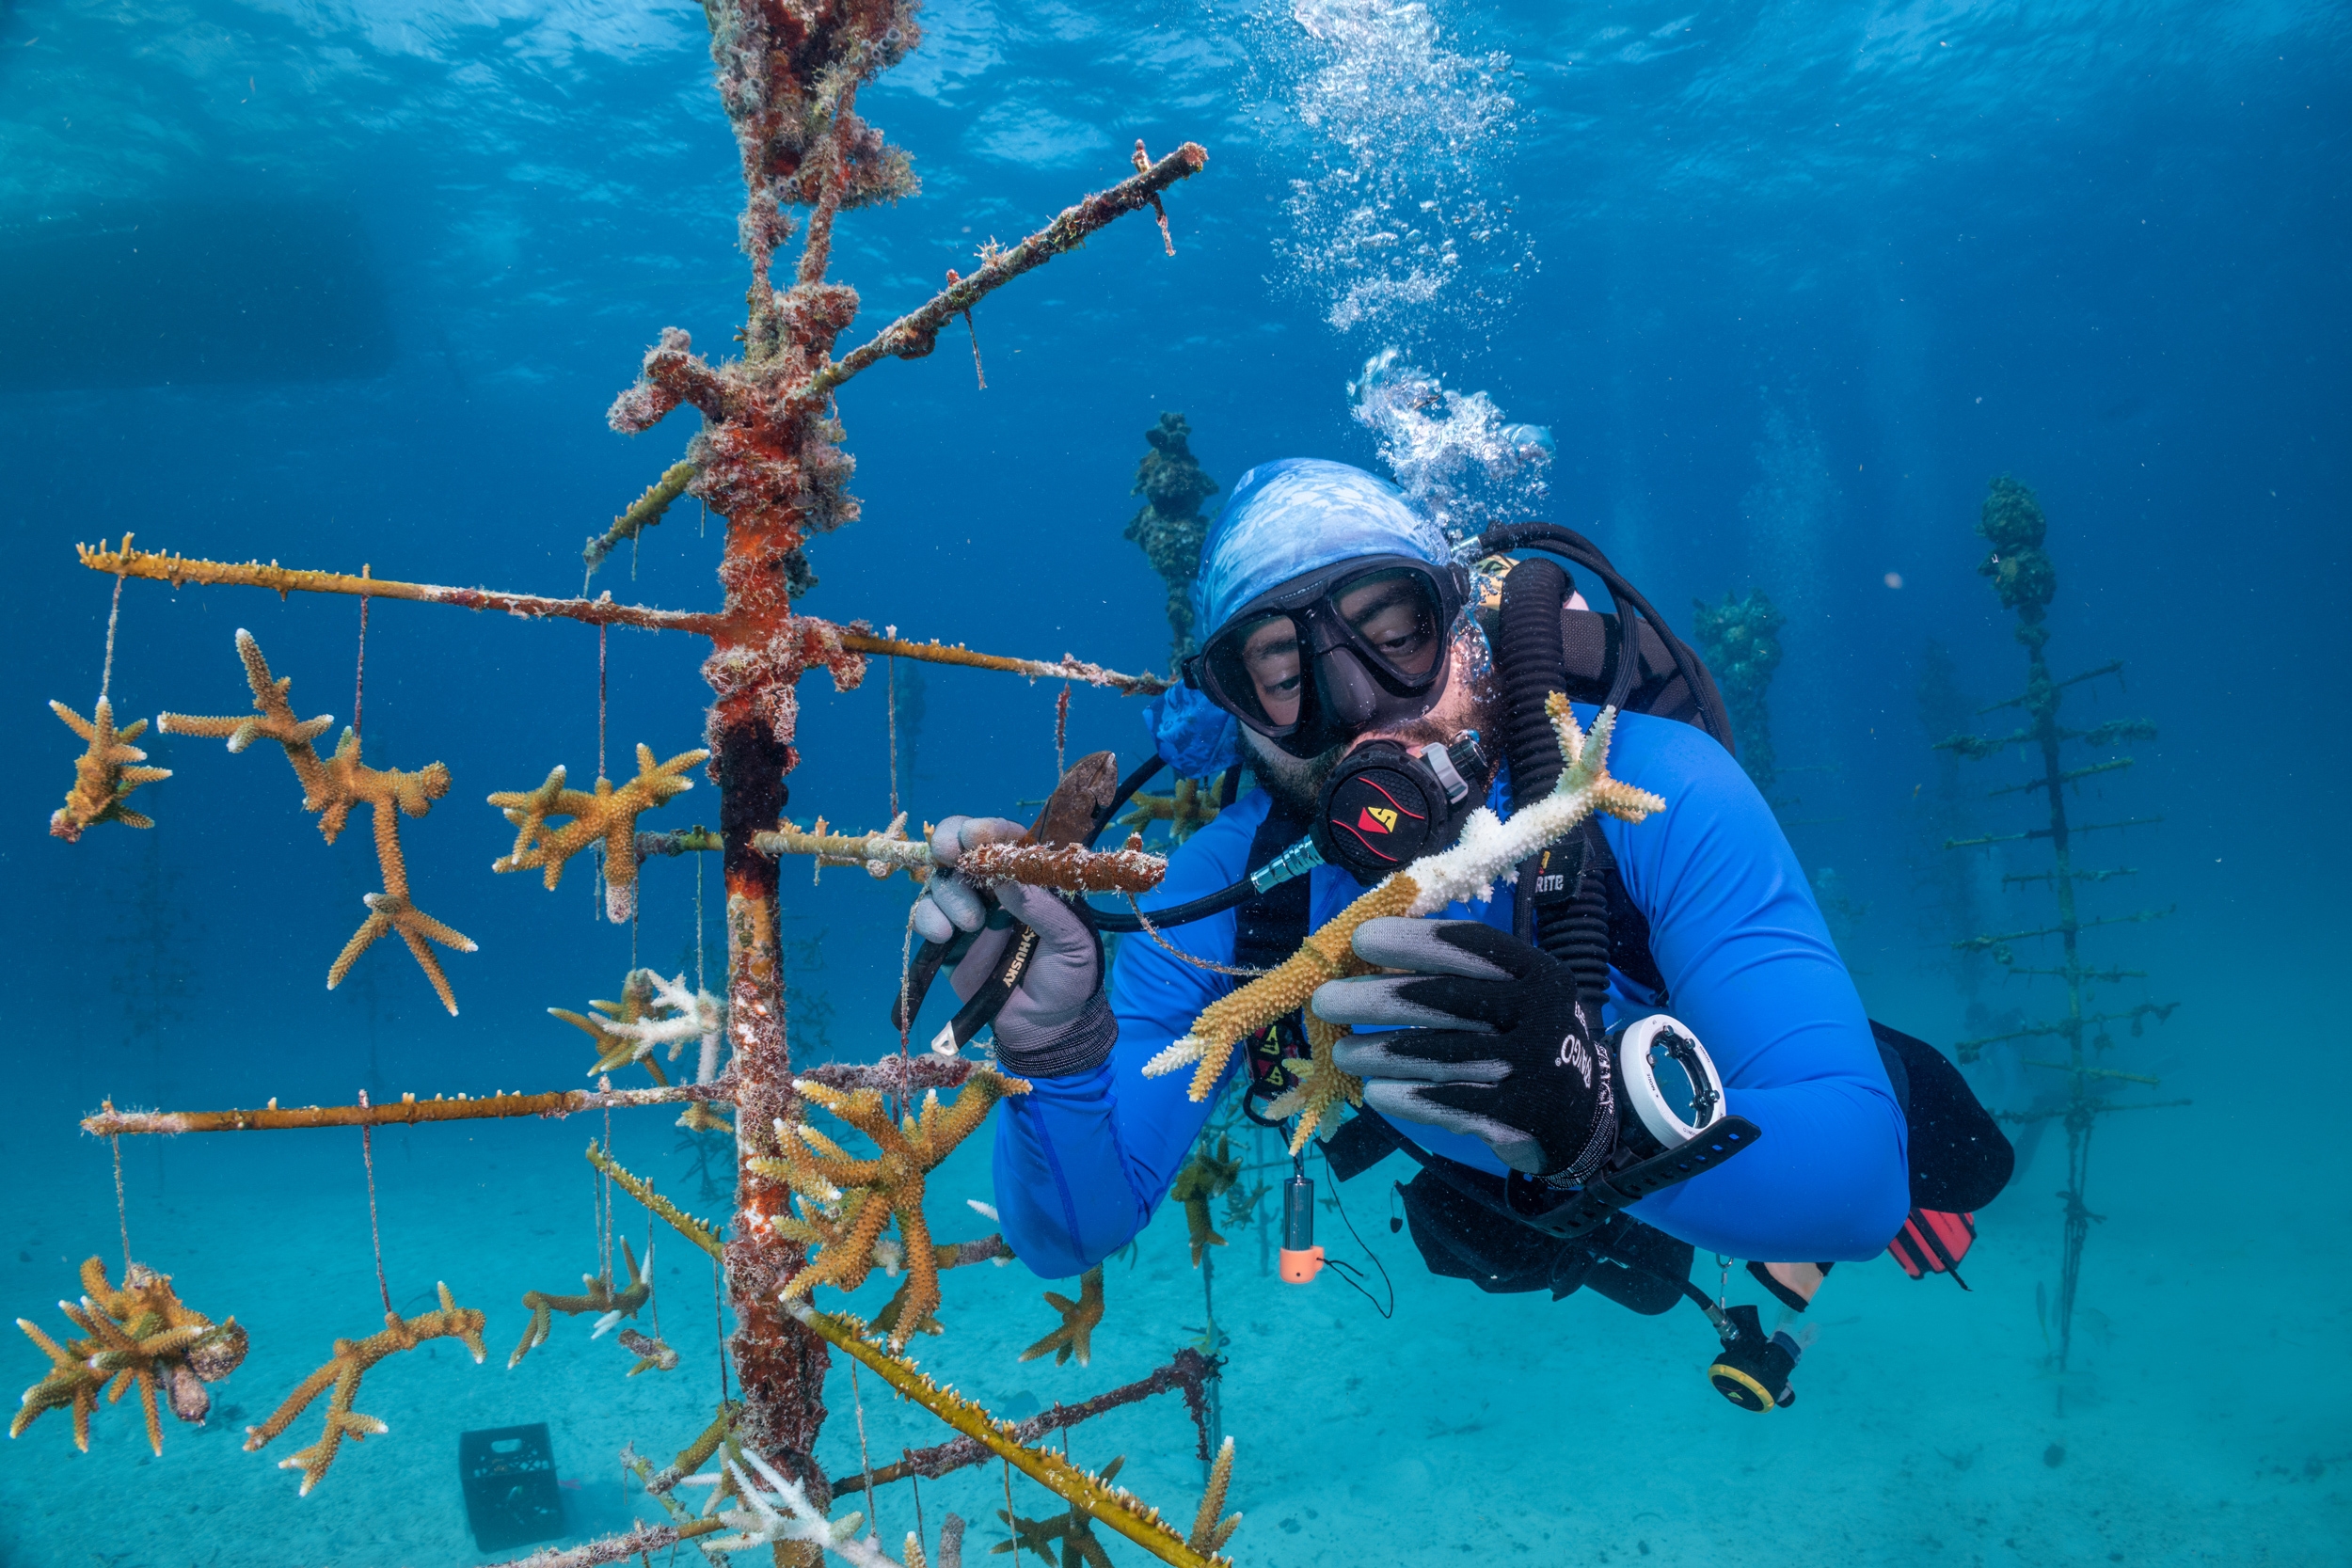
1296, 782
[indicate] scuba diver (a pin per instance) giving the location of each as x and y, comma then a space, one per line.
1647, 1044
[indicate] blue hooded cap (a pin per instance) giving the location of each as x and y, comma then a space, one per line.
1283, 520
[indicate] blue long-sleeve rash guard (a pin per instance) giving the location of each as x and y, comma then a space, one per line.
1082, 1161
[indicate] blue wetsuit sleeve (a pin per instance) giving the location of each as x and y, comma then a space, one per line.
1082, 1161
1749, 967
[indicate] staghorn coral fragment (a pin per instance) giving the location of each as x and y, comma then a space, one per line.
946, 1255
1186, 809
1074, 1529
1489, 850
643, 513
606, 815
103, 776
844, 1202
1079, 1319
140, 1336
1067, 868
614, 1048
599, 1297
1205, 1178
331, 787
1320, 1085
1208, 1533
652, 1012
352, 1360
783, 1515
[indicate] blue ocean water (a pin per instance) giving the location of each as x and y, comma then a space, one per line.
341, 284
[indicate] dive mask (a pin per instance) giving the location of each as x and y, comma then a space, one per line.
1361, 645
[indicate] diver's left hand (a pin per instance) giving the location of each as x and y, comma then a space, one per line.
1057, 1021
1490, 1040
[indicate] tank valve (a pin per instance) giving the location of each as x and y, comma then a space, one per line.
1301, 1258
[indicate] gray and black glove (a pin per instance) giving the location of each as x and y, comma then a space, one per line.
1058, 1021
1490, 1041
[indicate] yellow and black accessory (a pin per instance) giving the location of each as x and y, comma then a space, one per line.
1752, 1370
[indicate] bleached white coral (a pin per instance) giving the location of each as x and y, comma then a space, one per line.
677, 1014
1491, 849
644, 1279
783, 1512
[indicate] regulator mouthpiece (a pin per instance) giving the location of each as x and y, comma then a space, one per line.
1386, 805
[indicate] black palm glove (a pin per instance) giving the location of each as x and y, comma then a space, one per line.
1490, 1041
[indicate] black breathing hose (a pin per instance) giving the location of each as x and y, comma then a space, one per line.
1534, 662
1128, 920
1573, 547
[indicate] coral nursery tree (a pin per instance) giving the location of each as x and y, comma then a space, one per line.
2023, 575
768, 461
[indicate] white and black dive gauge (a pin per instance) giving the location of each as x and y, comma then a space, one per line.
1667, 1081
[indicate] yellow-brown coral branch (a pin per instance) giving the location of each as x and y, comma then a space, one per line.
102, 777
845, 1202
1113, 1505
686, 1224
1319, 1087
331, 788
598, 1297
141, 1335
352, 1360
643, 513
181, 570
606, 815
404, 1111
1079, 1320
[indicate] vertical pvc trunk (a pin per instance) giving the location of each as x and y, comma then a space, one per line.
781, 1365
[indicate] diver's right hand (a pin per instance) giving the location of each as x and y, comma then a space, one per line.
1057, 1021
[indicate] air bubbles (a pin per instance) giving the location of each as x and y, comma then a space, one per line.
1894, 579
1452, 454
1408, 144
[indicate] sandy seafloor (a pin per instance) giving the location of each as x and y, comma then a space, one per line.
2204, 1423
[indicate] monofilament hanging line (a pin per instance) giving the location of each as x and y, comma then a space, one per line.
890, 700
122, 1210
107, 679
1013, 1540
857, 1402
359, 680
652, 1303
375, 1235
603, 876
1061, 731
604, 1228
1154, 931
719, 1323
906, 1014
